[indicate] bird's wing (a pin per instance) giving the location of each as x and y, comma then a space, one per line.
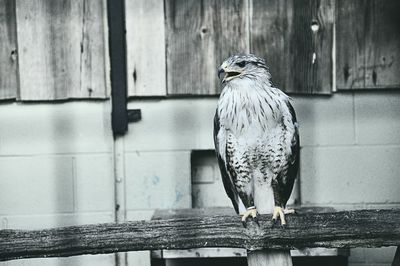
294, 158
226, 178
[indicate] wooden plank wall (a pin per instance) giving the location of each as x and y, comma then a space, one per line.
280, 31
145, 40
94, 51
199, 35
296, 38
61, 50
8, 50
368, 44
49, 34
174, 47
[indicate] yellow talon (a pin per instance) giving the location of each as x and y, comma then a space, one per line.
250, 212
279, 212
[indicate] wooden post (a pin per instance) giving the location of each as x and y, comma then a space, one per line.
264, 201
269, 257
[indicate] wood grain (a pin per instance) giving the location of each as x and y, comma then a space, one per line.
361, 228
145, 39
300, 59
8, 50
49, 34
269, 258
368, 44
93, 52
61, 49
200, 35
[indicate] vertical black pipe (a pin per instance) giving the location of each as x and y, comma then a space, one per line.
117, 48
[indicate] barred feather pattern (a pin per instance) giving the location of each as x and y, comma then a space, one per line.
256, 134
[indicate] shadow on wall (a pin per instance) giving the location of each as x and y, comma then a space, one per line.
63, 130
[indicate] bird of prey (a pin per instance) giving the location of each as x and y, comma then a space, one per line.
256, 138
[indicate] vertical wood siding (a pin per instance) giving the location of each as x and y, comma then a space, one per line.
200, 34
8, 50
145, 40
368, 44
174, 47
93, 51
300, 58
61, 49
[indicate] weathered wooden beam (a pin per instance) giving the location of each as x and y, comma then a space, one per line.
361, 228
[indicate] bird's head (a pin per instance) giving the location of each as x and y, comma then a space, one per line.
242, 66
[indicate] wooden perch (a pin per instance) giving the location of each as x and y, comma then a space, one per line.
362, 228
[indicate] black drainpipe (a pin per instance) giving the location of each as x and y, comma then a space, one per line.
120, 115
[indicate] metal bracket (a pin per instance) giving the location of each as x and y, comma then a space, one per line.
134, 115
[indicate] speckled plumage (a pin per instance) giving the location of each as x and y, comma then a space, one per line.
255, 134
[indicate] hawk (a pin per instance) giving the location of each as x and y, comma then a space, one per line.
256, 139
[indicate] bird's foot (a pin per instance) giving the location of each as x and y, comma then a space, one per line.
280, 212
251, 212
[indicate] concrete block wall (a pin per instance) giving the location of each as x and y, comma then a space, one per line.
350, 145
350, 149
56, 161
56, 170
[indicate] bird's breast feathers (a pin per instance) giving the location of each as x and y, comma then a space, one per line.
256, 117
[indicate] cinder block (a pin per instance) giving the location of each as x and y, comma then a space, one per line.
325, 120
173, 124
86, 260
31, 222
377, 117
42, 184
49, 128
157, 180
353, 174
94, 186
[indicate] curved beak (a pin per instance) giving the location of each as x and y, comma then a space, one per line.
221, 71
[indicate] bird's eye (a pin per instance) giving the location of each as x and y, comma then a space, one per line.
241, 64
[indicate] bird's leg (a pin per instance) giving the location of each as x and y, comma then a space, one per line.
280, 212
251, 212
288, 211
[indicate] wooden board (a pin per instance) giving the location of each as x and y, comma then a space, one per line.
8, 50
368, 44
300, 58
240, 252
145, 40
61, 49
93, 51
200, 35
361, 228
